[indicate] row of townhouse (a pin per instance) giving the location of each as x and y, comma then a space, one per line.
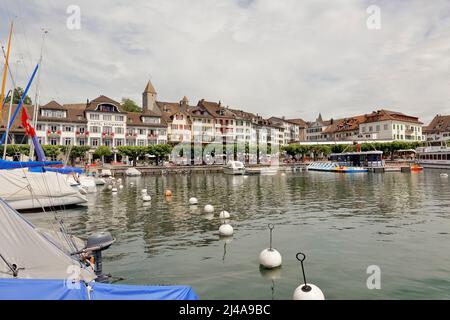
383, 125
438, 129
103, 122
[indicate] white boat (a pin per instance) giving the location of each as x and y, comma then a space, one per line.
24, 190
132, 172
87, 184
234, 168
105, 173
436, 157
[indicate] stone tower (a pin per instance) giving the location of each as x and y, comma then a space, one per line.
149, 98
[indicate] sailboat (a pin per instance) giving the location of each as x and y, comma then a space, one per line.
37, 265
20, 187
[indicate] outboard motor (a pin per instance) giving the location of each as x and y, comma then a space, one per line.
96, 244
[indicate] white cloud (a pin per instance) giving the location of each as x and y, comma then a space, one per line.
292, 58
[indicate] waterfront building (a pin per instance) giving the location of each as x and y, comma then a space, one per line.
390, 125
302, 125
438, 129
315, 130
346, 129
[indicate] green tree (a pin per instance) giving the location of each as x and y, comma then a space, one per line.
132, 152
103, 151
130, 106
51, 152
17, 95
160, 151
15, 149
75, 152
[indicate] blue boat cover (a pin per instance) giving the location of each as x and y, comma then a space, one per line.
40, 289
5, 164
103, 291
63, 170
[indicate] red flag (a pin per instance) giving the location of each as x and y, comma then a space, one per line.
29, 130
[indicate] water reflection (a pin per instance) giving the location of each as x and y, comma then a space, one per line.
345, 221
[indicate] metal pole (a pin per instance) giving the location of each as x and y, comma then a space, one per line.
36, 97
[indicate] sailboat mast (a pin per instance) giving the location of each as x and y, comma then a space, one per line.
36, 97
5, 70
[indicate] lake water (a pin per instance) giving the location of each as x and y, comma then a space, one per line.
342, 222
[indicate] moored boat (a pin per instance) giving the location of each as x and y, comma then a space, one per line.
234, 168
434, 157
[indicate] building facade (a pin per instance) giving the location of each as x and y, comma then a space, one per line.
438, 129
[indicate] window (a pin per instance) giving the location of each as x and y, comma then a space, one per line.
53, 142
107, 129
363, 129
107, 117
81, 129
94, 142
179, 117
53, 113
68, 128
378, 127
151, 120
385, 127
130, 132
141, 131
107, 143
54, 128
67, 141
370, 128
119, 118
95, 129
94, 116
106, 107
82, 142
119, 142
141, 143
119, 130
40, 127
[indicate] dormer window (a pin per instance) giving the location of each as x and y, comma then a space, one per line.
151, 120
53, 113
106, 107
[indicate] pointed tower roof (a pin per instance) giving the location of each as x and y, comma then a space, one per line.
149, 88
319, 119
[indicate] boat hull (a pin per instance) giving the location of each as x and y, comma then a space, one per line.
234, 171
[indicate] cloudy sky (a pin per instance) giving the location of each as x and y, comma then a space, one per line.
272, 57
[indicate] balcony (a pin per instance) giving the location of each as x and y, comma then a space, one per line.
130, 135
79, 134
107, 135
152, 137
51, 133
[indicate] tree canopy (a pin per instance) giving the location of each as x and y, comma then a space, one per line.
130, 106
17, 95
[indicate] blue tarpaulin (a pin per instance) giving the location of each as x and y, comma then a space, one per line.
5, 164
63, 170
39, 289
34, 289
103, 291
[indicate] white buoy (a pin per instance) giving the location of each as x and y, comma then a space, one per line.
114, 190
226, 230
193, 201
270, 258
121, 186
444, 175
224, 214
308, 292
208, 208
109, 187
146, 197
144, 190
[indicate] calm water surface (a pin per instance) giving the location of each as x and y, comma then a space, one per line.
344, 223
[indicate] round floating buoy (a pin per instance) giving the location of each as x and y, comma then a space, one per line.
121, 186
306, 291
193, 200
270, 258
114, 189
226, 230
168, 193
208, 208
109, 187
224, 214
146, 197
144, 190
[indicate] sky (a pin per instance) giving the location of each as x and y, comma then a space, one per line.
272, 57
